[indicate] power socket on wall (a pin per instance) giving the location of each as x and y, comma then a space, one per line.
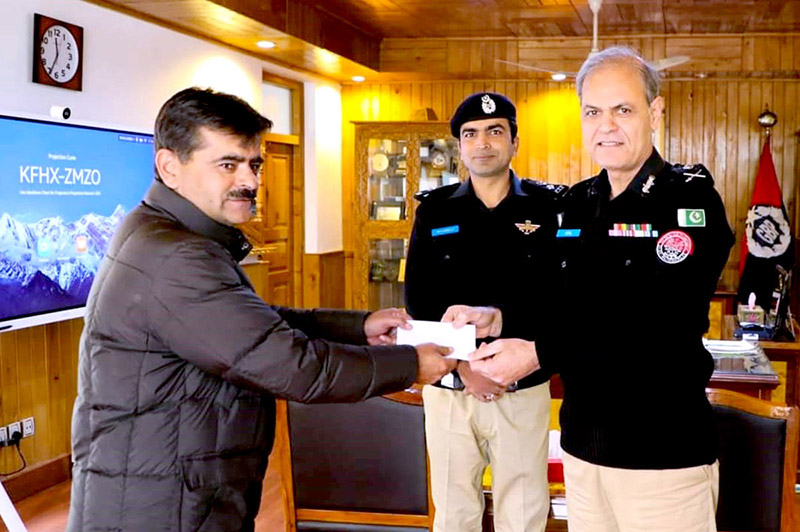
28, 427
14, 427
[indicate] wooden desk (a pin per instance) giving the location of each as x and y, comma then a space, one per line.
786, 352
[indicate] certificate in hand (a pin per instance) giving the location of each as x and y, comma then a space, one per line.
422, 332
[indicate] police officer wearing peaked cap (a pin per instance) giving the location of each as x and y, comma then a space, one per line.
485, 242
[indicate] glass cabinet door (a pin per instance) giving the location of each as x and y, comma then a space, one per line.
438, 162
387, 179
386, 272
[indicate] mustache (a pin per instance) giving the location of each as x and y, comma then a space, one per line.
243, 193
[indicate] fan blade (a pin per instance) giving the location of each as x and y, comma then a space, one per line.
537, 69
669, 62
526, 67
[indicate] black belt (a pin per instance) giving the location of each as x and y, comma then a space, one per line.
459, 385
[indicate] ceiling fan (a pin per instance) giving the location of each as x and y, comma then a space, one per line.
658, 64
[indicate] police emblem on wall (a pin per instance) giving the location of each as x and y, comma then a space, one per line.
767, 231
487, 104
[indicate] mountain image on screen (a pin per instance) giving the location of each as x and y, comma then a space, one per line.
51, 262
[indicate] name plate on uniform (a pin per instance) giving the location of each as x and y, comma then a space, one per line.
568, 233
449, 230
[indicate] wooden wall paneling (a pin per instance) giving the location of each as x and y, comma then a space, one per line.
55, 343
38, 368
795, 51
790, 176
25, 391
323, 280
60, 336
743, 189
40, 393
332, 266
311, 288
8, 395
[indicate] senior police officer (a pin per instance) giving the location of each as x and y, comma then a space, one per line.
468, 242
643, 244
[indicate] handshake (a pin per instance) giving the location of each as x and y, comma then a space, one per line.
492, 367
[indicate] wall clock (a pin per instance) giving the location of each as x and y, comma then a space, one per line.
57, 53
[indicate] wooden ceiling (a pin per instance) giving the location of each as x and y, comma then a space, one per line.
342, 38
562, 18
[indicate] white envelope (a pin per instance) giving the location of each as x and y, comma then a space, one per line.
461, 340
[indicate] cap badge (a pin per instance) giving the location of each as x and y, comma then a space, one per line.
527, 228
487, 104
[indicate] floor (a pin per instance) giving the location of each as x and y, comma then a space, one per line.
47, 511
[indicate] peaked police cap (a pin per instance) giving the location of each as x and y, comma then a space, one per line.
483, 105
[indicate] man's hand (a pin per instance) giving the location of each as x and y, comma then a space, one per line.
488, 321
505, 361
431, 364
478, 386
380, 327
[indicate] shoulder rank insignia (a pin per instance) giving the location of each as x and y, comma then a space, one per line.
527, 228
694, 171
648, 185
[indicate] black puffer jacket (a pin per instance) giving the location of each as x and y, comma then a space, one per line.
179, 364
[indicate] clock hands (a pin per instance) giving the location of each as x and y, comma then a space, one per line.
56, 59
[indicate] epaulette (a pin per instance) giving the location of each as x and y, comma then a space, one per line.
688, 173
437, 193
556, 190
583, 188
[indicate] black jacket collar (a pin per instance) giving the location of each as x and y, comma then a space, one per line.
651, 167
164, 199
465, 189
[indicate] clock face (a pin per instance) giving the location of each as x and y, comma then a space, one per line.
439, 160
58, 51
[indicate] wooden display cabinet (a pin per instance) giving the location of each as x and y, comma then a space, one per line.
393, 161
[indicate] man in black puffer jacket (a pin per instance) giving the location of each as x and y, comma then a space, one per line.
180, 360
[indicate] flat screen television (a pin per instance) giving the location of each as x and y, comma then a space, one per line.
65, 189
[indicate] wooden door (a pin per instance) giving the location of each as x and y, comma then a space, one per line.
276, 246
272, 230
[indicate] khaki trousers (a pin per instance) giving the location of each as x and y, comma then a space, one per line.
608, 499
464, 435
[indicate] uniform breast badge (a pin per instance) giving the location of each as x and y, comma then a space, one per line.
673, 247
691, 218
527, 228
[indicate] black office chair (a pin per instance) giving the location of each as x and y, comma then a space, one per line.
758, 444
356, 467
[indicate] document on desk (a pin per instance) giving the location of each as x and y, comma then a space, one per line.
422, 332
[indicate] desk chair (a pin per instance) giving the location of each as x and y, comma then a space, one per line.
758, 462
355, 467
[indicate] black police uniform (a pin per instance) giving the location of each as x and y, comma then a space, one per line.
462, 252
639, 272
